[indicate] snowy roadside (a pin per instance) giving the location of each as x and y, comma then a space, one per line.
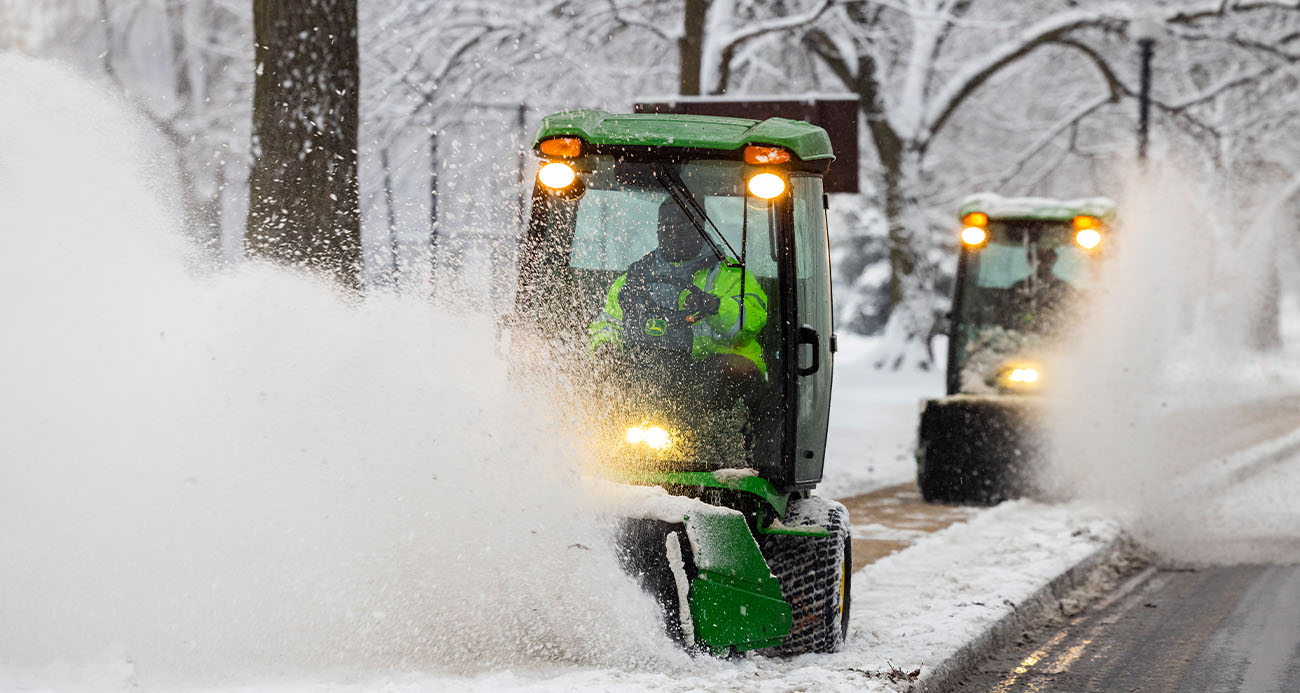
874, 415
917, 608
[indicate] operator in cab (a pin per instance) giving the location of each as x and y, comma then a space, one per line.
681, 298
1042, 299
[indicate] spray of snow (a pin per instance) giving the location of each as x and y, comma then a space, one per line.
245, 475
1161, 382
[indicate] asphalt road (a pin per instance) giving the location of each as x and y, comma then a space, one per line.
1233, 628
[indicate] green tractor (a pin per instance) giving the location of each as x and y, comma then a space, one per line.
676, 266
1025, 270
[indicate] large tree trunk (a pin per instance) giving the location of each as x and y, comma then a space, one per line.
303, 206
690, 47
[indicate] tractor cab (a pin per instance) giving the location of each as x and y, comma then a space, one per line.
683, 260
1026, 269
1025, 275
675, 269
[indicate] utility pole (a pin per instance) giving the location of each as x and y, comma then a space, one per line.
433, 208
1146, 30
386, 164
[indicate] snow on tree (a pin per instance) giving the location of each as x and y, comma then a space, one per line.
181, 63
916, 63
1029, 97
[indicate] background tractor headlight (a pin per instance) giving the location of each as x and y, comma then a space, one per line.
973, 235
1019, 377
1023, 375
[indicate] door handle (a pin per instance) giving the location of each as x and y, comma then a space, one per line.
808, 335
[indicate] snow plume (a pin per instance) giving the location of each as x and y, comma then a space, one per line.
1162, 383
245, 475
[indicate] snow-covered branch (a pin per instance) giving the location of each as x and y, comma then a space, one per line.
970, 78
1071, 120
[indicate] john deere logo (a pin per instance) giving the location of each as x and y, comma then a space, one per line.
656, 327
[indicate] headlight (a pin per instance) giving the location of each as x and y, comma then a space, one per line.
973, 235
766, 186
1023, 375
557, 175
1019, 377
657, 438
654, 436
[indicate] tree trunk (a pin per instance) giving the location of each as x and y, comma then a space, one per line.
690, 47
911, 321
303, 197
910, 291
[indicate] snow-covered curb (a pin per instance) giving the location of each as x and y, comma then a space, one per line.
947, 601
1064, 572
1002, 632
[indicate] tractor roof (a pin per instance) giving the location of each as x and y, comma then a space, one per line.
806, 141
1036, 208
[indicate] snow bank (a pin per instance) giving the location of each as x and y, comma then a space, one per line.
919, 606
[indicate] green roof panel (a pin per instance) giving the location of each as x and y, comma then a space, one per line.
806, 141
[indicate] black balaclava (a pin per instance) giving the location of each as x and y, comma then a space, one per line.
679, 240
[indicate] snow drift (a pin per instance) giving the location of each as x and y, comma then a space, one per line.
246, 474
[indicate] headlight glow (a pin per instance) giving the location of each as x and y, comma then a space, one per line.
1024, 375
557, 175
973, 235
1088, 238
656, 438
766, 185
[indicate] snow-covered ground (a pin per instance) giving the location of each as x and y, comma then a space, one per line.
910, 610
874, 414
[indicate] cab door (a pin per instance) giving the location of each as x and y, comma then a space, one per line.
813, 331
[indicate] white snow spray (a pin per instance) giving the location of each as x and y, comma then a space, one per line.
244, 475
1160, 383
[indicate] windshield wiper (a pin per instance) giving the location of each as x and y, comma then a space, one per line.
686, 200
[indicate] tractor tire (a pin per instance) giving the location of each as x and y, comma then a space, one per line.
815, 575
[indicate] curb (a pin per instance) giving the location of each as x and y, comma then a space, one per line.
1006, 630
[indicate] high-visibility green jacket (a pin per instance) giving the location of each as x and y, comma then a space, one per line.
733, 330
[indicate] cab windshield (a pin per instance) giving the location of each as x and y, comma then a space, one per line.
660, 332
1020, 290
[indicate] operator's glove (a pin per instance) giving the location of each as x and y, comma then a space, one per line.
701, 305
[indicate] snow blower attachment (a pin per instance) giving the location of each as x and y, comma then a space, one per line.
678, 266
1025, 268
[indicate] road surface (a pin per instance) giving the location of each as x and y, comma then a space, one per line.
1226, 628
